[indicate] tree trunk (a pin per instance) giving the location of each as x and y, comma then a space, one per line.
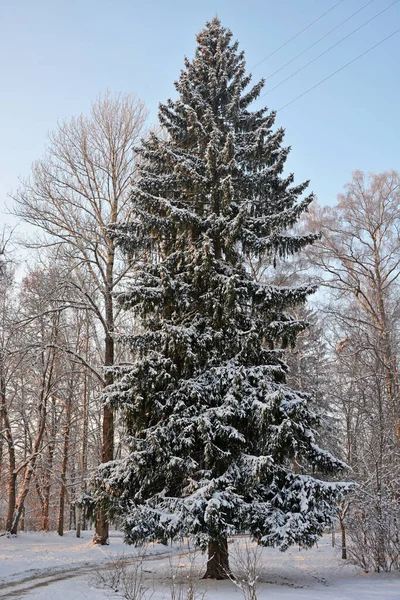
102, 525
12, 474
107, 451
218, 560
78, 520
389, 358
73, 516
22, 525
1, 440
11, 498
81, 521
343, 533
47, 486
47, 369
29, 471
63, 486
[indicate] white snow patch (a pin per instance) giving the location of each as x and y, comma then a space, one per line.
314, 574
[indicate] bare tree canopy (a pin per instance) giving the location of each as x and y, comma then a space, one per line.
79, 188
359, 256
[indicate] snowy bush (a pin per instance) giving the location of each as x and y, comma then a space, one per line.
246, 564
373, 529
183, 586
125, 577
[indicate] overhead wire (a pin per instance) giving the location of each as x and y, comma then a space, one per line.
297, 34
330, 48
340, 69
319, 39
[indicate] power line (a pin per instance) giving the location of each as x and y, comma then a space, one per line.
329, 49
320, 39
297, 34
338, 70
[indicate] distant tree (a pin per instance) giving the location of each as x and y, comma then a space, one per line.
213, 428
358, 258
5, 240
49, 400
81, 186
8, 366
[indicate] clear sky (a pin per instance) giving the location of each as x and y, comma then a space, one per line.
57, 55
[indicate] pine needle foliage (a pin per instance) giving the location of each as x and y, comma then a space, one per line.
214, 431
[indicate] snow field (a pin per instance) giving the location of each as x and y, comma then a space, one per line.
41, 566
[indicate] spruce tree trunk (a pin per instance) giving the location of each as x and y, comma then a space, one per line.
218, 560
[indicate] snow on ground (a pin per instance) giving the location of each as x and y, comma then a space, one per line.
45, 567
30, 554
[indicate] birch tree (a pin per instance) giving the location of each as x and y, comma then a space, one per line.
359, 255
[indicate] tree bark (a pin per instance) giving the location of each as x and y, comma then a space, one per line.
102, 524
1, 441
390, 361
12, 473
107, 454
63, 486
218, 560
29, 470
343, 534
11, 498
47, 372
47, 486
80, 519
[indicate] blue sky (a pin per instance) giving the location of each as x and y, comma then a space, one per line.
57, 55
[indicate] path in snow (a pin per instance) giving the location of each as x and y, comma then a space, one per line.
39, 560
22, 588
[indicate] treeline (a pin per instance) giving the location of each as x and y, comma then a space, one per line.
59, 323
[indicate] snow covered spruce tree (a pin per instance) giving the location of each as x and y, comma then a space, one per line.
217, 442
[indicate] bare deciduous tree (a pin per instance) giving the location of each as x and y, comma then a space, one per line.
359, 254
75, 192
358, 258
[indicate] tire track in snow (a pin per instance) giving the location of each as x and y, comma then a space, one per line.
18, 589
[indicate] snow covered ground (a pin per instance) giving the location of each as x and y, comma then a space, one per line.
39, 566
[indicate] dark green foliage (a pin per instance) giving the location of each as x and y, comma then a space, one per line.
214, 431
